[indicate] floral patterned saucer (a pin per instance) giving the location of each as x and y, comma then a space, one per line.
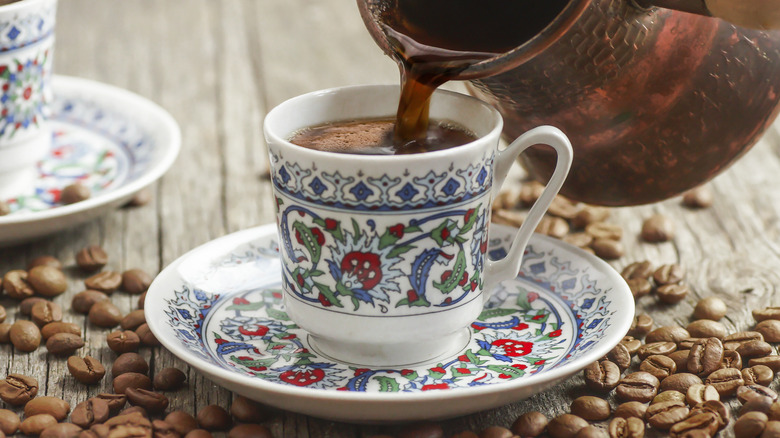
109, 139
220, 309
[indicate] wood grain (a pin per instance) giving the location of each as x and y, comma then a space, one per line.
218, 67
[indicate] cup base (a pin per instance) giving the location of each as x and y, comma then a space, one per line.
391, 355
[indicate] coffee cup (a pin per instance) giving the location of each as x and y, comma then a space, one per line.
384, 258
26, 52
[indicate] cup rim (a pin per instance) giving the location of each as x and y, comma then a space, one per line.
275, 138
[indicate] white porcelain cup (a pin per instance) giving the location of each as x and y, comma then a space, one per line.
26, 52
384, 257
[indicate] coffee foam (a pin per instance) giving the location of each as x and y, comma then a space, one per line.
349, 137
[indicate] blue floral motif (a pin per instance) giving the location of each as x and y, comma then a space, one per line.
29, 27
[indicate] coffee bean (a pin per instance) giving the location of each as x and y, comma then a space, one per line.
129, 425
163, 429
105, 314
770, 329
129, 363
631, 409
641, 325
669, 333
659, 366
758, 375
123, 342
620, 356
182, 422
752, 349
53, 328
717, 408
146, 335
602, 376
47, 281
747, 392
740, 337
771, 361
699, 393
154, 402
591, 408
25, 335
84, 300
25, 307
669, 274
169, 379
35, 424
133, 320
530, 424
700, 197
638, 270
509, 217
9, 421
608, 249
750, 425
687, 344
115, 401
565, 426
489, 432
53, 406
198, 433
604, 231
726, 381
61, 430
258, 431
707, 328
4, 208
638, 386
705, 357
680, 382
5, 333
672, 293
74, 193
630, 427
664, 415
631, 344
774, 411
89, 412
64, 344
731, 359
667, 396
141, 300
710, 308
590, 214
756, 404
136, 281
553, 226
213, 417
639, 287
106, 281
654, 348
16, 285
45, 312
86, 370
44, 260
131, 380
18, 389
657, 228
767, 313
706, 422
91, 258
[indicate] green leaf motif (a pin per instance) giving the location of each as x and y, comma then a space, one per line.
457, 274
473, 358
327, 293
387, 239
509, 371
522, 298
277, 314
398, 250
470, 223
246, 307
309, 241
356, 230
387, 384
495, 313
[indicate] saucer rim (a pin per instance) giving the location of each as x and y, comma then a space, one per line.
155, 319
166, 125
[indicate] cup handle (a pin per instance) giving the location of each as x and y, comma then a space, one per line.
507, 268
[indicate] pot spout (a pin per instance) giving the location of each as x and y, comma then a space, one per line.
698, 7
755, 14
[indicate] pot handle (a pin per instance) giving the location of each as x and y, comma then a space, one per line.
507, 268
754, 14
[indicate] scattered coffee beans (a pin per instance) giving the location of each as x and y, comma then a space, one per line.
16, 285
700, 197
672, 334
129, 363
61, 430
672, 293
131, 380
630, 427
136, 281
153, 402
25, 307
602, 376
608, 249
657, 228
90, 412
147, 337
591, 408
758, 375
33, 425
45, 260
53, 328
9, 421
641, 325
258, 431
530, 424
664, 415
106, 281
169, 379
84, 300
770, 329
92, 258
25, 335
123, 342
74, 193
707, 328
726, 381
47, 281
214, 417
53, 406
86, 370
45, 312
680, 382
18, 389
183, 422
133, 320
639, 386
115, 401
565, 426
659, 366
104, 314
639, 287
62, 344
710, 308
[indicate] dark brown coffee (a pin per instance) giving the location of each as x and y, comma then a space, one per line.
375, 137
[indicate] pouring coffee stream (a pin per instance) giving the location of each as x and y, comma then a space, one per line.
655, 101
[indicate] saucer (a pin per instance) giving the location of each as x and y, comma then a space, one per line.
220, 309
109, 139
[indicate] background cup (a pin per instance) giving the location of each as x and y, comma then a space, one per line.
384, 257
26, 52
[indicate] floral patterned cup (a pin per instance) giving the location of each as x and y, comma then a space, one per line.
26, 50
384, 257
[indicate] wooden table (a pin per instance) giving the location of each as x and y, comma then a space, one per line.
218, 67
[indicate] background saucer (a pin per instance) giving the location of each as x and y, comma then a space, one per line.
107, 138
220, 308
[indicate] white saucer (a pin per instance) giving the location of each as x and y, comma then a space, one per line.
107, 138
219, 308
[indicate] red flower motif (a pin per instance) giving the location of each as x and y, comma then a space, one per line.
555, 334
318, 235
463, 370
521, 326
27, 93
435, 386
538, 317
220, 341
513, 348
300, 279
291, 336
463, 358
445, 275
261, 330
19, 67
360, 371
302, 378
477, 327
539, 362
258, 368
509, 376
464, 279
324, 300
467, 216
483, 246
244, 358
331, 224
397, 230
240, 301
438, 370
366, 266
411, 295
406, 372
532, 297
445, 233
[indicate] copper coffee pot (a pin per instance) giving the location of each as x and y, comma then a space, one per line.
655, 100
